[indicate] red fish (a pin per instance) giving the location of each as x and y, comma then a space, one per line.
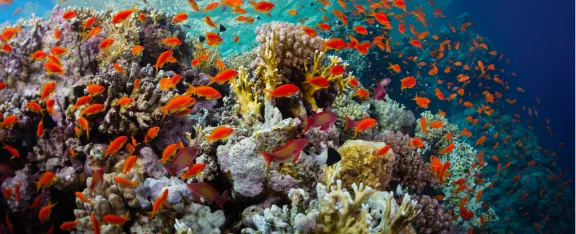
92, 109
380, 152
113, 219
162, 58
44, 214
183, 159
95, 224
97, 178
292, 148
69, 225
323, 120
262, 6
206, 191
176, 104
335, 44
206, 92
47, 179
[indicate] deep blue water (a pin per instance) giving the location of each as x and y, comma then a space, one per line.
538, 37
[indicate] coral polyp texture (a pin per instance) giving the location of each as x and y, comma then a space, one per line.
133, 121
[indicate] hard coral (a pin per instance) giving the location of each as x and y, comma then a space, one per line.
357, 164
432, 218
410, 170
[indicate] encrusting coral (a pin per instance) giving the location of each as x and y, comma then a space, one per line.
358, 164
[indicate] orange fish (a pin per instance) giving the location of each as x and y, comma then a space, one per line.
57, 34
437, 124
113, 219
309, 31
92, 109
118, 68
162, 58
137, 50
285, 90
44, 214
57, 50
223, 76
380, 152
361, 30
13, 151
179, 18
83, 198
69, 225
176, 104
53, 68
9, 33
262, 6
89, 22
151, 133
34, 107
421, 101
156, 207
124, 182
9, 121
115, 145
448, 149
480, 141
171, 41
193, 171
407, 83
359, 125
35, 203
394, 67
362, 93
40, 129
128, 163
335, 44
106, 43
433, 71
68, 15
93, 32
219, 133
95, 224
123, 15
124, 101
47, 179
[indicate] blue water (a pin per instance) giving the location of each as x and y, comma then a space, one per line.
538, 37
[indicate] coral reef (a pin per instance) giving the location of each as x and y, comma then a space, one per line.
358, 165
392, 116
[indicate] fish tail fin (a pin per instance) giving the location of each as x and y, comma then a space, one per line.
212, 80
267, 157
355, 133
268, 94
37, 184
221, 200
349, 123
307, 125
164, 111
151, 214
208, 139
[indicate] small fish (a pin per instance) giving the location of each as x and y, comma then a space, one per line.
8, 222
35, 203
359, 125
69, 225
193, 171
421, 101
183, 159
417, 142
40, 129
384, 150
124, 101
129, 163
262, 6
47, 179
92, 109
223, 76
206, 92
106, 43
123, 15
151, 133
13, 151
83, 123
178, 18
53, 68
407, 83
162, 58
83, 198
116, 220
290, 149
168, 152
285, 90
95, 224
206, 191
323, 120
68, 15
335, 44
115, 145
171, 42
9, 121
118, 68
124, 182
175, 104
137, 50
89, 22
156, 207
447, 149
97, 178
34, 107
44, 214
219, 133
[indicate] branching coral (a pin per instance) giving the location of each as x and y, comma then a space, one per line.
247, 97
344, 106
336, 210
434, 134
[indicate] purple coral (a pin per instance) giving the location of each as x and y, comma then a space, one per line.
409, 170
432, 218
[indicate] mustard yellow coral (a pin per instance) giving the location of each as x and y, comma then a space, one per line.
246, 96
358, 168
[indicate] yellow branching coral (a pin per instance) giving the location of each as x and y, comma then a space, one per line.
247, 97
125, 37
324, 71
269, 68
212, 55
